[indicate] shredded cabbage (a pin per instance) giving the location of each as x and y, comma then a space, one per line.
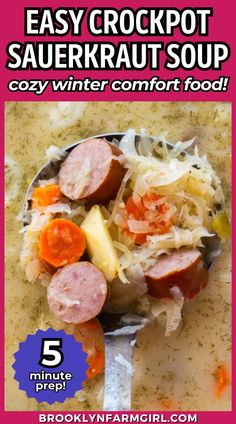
56, 208
118, 200
172, 308
139, 227
44, 183
167, 311
186, 188
126, 259
185, 182
29, 257
127, 143
54, 153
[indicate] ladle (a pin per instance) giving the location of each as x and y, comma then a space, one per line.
119, 329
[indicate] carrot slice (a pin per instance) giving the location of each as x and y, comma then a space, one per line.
62, 242
221, 380
90, 334
44, 196
138, 212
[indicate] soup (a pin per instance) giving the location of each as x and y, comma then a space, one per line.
179, 372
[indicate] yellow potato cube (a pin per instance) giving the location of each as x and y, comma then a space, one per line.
99, 243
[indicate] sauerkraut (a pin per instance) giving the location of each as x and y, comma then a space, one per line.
168, 199
186, 182
54, 153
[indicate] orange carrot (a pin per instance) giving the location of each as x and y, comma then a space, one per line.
139, 211
168, 404
90, 334
62, 242
221, 379
44, 196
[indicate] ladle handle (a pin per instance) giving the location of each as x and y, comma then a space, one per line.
118, 375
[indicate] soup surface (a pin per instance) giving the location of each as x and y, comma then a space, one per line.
179, 372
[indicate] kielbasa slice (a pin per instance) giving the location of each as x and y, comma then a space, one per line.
93, 163
77, 292
182, 268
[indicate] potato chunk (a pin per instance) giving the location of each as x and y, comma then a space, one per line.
99, 243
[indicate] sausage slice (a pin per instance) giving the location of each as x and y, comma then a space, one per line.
93, 161
77, 292
182, 268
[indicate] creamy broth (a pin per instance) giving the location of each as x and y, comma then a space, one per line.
170, 373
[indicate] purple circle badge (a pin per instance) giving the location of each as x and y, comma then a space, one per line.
50, 366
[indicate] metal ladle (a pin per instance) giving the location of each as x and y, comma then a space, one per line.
119, 335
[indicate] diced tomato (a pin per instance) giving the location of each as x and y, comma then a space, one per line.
150, 205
